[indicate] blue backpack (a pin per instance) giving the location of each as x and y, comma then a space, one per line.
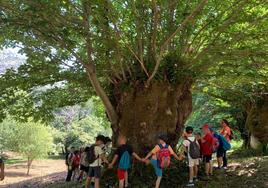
225, 144
124, 162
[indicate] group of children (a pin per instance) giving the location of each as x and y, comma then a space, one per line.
196, 148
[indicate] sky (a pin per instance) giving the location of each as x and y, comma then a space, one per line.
10, 58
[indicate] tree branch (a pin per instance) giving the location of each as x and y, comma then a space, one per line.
119, 34
189, 18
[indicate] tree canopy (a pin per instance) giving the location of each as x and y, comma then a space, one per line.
117, 44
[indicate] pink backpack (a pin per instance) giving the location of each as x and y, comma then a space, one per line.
164, 156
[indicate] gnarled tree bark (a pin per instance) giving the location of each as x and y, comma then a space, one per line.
144, 112
257, 123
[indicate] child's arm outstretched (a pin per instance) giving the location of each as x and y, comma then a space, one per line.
136, 156
174, 154
177, 157
147, 156
113, 161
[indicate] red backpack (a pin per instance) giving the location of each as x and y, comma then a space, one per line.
164, 156
76, 161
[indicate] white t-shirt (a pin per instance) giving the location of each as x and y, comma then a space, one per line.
84, 159
186, 143
98, 153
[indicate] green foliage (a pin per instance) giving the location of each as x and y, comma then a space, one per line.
206, 109
83, 132
32, 140
79, 125
224, 40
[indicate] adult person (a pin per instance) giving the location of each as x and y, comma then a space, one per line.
2, 170
226, 132
69, 162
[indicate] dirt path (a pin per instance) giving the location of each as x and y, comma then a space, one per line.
42, 171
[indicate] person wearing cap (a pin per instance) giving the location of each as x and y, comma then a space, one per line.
206, 145
2, 170
162, 143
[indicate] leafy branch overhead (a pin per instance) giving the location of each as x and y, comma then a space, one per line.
117, 43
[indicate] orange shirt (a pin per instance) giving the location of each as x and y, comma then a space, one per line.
226, 132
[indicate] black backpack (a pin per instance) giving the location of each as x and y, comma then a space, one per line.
194, 150
67, 157
91, 156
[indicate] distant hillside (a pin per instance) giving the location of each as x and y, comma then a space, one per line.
10, 58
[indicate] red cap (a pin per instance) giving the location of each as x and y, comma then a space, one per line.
206, 126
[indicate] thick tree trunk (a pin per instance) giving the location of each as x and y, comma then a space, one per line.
146, 112
257, 123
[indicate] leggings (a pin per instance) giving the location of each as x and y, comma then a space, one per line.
224, 158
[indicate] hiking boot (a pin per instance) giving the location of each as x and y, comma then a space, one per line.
190, 184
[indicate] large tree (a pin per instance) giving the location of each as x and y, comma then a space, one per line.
247, 95
141, 57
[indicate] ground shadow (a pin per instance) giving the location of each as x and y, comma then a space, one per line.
36, 182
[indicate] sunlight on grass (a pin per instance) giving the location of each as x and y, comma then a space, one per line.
236, 144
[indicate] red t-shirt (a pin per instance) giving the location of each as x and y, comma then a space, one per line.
207, 145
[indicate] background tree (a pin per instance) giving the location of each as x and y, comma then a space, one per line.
141, 57
32, 140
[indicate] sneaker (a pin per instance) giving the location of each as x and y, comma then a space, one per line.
225, 167
190, 184
196, 179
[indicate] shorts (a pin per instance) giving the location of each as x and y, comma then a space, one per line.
207, 158
84, 168
193, 162
121, 174
158, 171
220, 152
94, 172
